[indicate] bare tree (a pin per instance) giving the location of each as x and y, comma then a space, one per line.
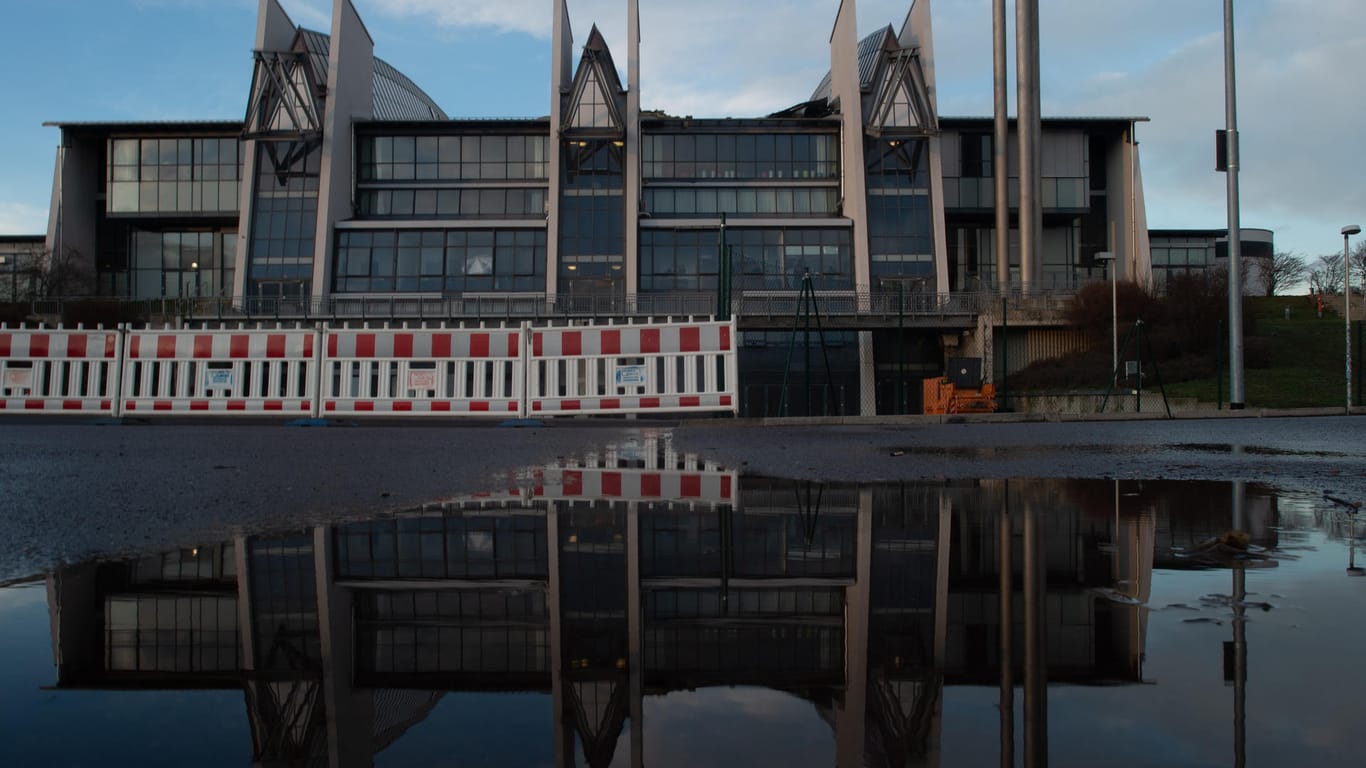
1325, 276
1359, 266
1282, 271
49, 274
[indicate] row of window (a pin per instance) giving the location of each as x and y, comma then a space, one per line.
440, 547
170, 633
173, 175
440, 261
452, 203
753, 201
1182, 257
452, 158
689, 260
1058, 193
740, 156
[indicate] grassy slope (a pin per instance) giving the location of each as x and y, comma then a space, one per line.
1304, 357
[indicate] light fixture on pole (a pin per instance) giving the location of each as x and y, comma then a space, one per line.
1109, 258
1348, 231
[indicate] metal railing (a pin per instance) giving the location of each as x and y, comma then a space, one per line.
837, 303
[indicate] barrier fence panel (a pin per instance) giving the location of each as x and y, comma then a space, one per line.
239, 371
650, 368
47, 370
421, 372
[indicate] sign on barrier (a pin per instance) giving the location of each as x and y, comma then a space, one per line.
422, 372
649, 368
58, 370
242, 371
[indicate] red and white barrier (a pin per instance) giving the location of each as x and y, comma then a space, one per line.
636, 485
424, 372
304, 372
243, 371
652, 368
59, 370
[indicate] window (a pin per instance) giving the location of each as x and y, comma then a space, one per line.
772, 259
806, 156
976, 155
437, 260
284, 223
768, 202
173, 175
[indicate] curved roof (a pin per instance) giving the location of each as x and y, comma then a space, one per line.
868, 50
395, 96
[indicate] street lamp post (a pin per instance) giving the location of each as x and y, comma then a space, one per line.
1109, 258
1347, 232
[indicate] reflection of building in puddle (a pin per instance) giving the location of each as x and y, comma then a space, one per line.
864, 601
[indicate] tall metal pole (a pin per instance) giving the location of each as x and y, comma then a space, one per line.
1000, 151
1347, 306
1235, 255
1028, 126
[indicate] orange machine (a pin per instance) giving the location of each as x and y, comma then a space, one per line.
943, 396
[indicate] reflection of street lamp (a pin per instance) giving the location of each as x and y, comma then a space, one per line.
194, 265
1348, 231
1111, 264
1352, 569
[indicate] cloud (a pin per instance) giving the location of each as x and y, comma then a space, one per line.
313, 14
528, 16
1300, 171
705, 58
22, 219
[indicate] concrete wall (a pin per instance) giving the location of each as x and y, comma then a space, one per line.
350, 97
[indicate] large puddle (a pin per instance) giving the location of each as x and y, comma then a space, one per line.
634, 609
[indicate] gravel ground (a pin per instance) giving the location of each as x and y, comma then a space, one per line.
69, 491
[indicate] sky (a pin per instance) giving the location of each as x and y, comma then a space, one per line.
1301, 116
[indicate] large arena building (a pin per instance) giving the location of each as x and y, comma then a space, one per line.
345, 191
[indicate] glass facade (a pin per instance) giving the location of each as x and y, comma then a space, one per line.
405, 632
444, 547
170, 633
440, 260
173, 175
710, 202
468, 203
284, 224
593, 216
747, 156
1179, 256
899, 224
1065, 170
763, 259
450, 177
179, 264
452, 158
